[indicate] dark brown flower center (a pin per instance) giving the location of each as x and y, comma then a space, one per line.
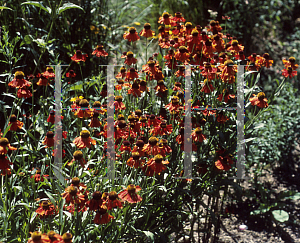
121, 124
153, 141
85, 134
147, 26
261, 96
73, 191
135, 155
36, 236
75, 181
67, 237
102, 210
158, 158
97, 195
143, 119
131, 188
138, 112
97, 104
13, 118
84, 103
113, 195
163, 125
140, 143
50, 134
78, 155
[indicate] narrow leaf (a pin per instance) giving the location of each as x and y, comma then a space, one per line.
5, 8
39, 5
67, 6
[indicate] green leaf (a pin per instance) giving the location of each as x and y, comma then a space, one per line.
69, 215
295, 197
67, 6
51, 198
27, 40
34, 214
76, 87
249, 139
149, 235
280, 215
5, 8
39, 5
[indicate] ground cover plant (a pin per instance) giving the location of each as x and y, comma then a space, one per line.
149, 199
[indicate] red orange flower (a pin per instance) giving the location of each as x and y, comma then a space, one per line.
260, 100
37, 176
122, 73
290, 63
119, 105
67, 238
226, 96
147, 32
207, 87
102, 216
78, 156
131, 35
228, 72
71, 74
4, 164
46, 208
178, 17
73, 195
49, 73
130, 59
131, 74
174, 104
197, 135
84, 141
221, 118
224, 163
113, 201
15, 124
19, 82
51, 117
135, 160
24, 93
289, 72
79, 57
155, 165
130, 194
38, 237
152, 148
83, 110
135, 90
4, 144
182, 54
162, 129
43, 81
99, 52
166, 19
235, 47
265, 61
94, 120
49, 139
180, 72
96, 201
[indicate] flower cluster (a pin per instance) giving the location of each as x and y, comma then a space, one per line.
51, 236
20, 83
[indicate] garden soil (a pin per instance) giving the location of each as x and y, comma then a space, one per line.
260, 228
